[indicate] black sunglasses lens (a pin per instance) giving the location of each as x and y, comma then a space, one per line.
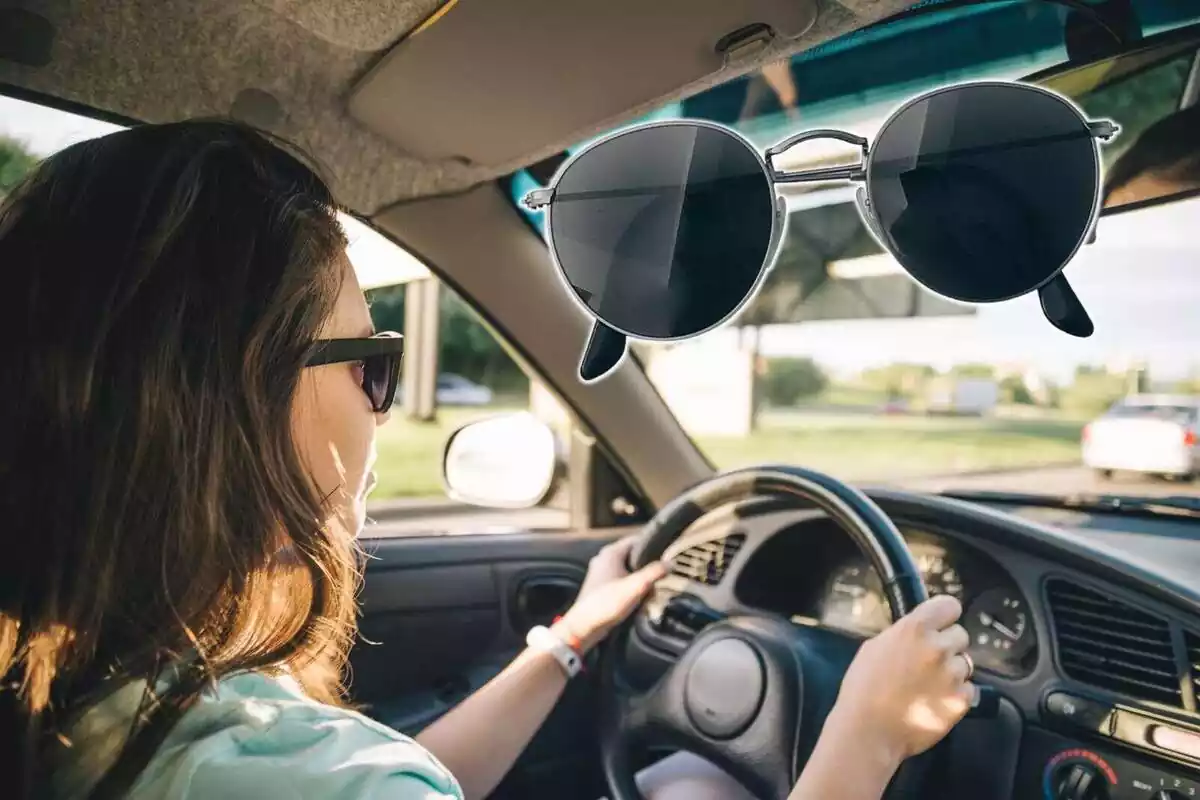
662, 231
986, 191
380, 379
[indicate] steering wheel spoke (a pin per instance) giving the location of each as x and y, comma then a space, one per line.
734, 697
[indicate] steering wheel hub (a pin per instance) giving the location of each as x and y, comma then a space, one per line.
724, 688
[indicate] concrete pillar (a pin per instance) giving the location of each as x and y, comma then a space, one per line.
422, 344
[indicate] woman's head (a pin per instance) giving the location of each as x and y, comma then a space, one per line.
173, 478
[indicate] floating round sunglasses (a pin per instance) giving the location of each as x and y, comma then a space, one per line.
982, 191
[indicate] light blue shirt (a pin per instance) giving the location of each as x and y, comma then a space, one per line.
256, 737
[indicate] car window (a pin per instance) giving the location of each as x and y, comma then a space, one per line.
1147, 410
478, 378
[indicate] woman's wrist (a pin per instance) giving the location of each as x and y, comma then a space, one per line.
852, 760
578, 640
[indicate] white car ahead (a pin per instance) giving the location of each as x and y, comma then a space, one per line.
1151, 434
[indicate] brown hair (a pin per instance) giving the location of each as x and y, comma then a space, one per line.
162, 289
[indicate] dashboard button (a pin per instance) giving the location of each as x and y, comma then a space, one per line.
1080, 712
1178, 741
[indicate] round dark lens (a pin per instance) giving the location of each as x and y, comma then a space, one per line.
984, 192
662, 231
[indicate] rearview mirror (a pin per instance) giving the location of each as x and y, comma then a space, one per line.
1152, 90
509, 461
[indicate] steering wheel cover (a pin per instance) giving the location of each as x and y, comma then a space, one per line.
871, 529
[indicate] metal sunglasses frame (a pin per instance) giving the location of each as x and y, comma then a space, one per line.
1059, 302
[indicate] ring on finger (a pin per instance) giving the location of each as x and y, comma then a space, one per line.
970, 664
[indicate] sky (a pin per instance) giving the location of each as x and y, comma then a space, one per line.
1140, 281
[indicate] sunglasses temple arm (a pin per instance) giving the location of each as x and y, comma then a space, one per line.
541, 198
853, 172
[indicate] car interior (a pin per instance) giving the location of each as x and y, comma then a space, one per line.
433, 117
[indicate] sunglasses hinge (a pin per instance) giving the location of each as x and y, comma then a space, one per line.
1104, 129
538, 198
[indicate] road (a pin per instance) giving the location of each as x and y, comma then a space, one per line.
1059, 481
1049, 480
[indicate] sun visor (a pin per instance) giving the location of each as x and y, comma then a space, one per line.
493, 82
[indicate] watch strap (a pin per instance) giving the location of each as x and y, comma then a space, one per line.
545, 640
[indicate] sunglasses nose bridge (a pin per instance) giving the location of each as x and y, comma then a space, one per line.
850, 172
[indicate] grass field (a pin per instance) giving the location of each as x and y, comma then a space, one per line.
862, 447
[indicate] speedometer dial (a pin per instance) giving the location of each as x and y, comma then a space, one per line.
939, 575
999, 628
854, 601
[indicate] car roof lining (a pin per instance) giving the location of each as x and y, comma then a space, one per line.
292, 66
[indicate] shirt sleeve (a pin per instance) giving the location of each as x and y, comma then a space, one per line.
295, 751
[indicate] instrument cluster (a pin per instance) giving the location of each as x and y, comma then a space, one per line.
851, 598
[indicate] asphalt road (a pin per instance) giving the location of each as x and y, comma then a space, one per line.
1050, 480
1058, 481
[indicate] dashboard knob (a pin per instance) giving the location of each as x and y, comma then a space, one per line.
1080, 782
1167, 794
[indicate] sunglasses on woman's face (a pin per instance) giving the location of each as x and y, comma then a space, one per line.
380, 356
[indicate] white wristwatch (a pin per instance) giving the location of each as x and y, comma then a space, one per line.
545, 640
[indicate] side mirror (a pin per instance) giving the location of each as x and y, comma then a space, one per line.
509, 461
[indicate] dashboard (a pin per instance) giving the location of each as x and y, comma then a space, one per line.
1086, 626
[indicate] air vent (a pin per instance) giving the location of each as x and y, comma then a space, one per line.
1107, 643
1192, 640
707, 562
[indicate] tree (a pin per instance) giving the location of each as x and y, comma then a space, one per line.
1014, 391
1092, 392
788, 380
16, 161
973, 371
468, 348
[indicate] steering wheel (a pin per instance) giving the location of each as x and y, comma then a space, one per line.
751, 692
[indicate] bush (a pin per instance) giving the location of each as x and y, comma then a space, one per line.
787, 380
16, 161
899, 381
1092, 393
467, 347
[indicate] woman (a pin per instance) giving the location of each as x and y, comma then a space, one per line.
192, 393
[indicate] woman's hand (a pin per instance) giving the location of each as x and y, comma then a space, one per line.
609, 593
908, 686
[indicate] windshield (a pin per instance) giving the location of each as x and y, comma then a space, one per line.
843, 364
1151, 411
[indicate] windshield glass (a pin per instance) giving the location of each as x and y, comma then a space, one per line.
844, 364
1151, 411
